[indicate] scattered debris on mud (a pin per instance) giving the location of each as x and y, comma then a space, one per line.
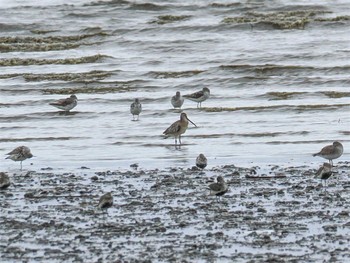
277, 213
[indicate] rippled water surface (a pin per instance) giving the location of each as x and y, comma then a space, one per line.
278, 72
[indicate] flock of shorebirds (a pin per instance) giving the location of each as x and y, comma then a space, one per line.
21, 153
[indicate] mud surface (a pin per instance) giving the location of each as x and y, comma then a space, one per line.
274, 214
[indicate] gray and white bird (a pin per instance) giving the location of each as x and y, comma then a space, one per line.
65, 104
177, 100
331, 152
201, 161
199, 96
135, 109
324, 172
220, 188
19, 154
4, 180
106, 201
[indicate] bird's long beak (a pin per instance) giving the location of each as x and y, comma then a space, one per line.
191, 122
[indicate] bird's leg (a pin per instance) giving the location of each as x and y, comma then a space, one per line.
325, 183
21, 165
180, 139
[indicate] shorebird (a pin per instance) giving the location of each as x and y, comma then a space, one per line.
179, 127
106, 201
199, 96
218, 189
135, 109
331, 152
4, 181
20, 154
201, 161
324, 172
66, 104
177, 100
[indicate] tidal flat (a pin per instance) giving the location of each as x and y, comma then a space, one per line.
279, 214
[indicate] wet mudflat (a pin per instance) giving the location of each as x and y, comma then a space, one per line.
278, 72
274, 214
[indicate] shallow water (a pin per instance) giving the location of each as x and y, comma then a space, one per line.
277, 95
278, 72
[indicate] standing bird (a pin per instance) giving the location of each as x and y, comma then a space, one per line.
179, 127
201, 161
20, 153
135, 109
4, 181
106, 201
177, 100
219, 188
324, 172
331, 152
199, 96
66, 104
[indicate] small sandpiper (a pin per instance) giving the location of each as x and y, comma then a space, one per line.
135, 109
199, 96
324, 172
4, 180
177, 100
201, 161
66, 104
218, 189
106, 201
179, 127
20, 154
331, 152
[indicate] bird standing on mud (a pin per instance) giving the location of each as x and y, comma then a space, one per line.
135, 109
4, 180
324, 172
106, 201
179, 127
66, 104
199, 96
20, 154
201, 161
331, 152
220, 188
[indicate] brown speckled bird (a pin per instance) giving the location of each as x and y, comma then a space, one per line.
20, 154
179, 127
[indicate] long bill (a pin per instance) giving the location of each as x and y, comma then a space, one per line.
191, 122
